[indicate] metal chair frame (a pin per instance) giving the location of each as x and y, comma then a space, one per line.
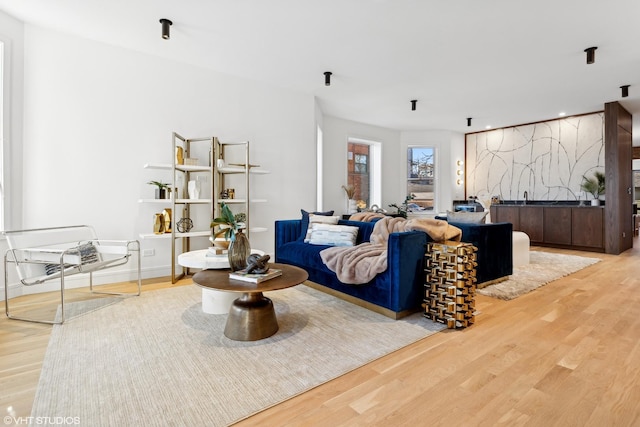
66, 253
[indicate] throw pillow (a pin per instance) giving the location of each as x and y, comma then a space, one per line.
320, 219
467, 217
304, 224
88, 255
332, 235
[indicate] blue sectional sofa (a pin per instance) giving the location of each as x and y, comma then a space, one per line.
400, 289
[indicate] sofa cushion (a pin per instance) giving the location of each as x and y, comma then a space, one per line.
302, 254
304, 225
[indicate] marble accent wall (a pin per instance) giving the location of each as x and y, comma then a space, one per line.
546, 159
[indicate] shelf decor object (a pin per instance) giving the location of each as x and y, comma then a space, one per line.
450, 283
239, 251
158, 223
200, 170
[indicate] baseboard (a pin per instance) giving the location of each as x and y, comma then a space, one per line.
15, 289
357, 301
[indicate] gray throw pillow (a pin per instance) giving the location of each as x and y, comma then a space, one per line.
467, 217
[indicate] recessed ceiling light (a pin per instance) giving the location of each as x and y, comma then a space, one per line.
487, 127
562, 114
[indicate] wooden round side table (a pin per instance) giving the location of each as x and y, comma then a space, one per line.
251, 316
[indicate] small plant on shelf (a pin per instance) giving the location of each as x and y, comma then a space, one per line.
161, 191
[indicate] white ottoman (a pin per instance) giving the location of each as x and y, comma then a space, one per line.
217, 302
520, 249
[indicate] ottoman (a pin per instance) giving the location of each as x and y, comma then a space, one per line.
520, 249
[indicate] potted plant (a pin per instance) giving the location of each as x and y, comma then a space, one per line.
230, 227
404, 207
594, 185
350, 191
161, 191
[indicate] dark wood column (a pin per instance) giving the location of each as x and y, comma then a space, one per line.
618, 166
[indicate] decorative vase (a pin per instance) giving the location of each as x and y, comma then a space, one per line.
595, 202
239, 251
193, 188
158, 224
166, 215
352, 207
179, 156
160, 193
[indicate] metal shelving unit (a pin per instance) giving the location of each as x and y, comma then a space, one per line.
217, 178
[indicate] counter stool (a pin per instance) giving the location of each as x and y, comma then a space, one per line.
521, 243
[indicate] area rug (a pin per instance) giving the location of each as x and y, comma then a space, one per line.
157, 359
543, 267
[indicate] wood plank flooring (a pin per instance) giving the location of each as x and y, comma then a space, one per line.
567, 354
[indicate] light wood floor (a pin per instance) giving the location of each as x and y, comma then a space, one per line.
567, 354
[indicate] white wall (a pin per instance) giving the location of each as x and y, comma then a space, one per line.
449, 148
95, 114
336, 135
12, 35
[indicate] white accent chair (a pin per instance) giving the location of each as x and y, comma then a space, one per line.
45, 254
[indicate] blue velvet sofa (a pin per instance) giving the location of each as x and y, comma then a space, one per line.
400, 289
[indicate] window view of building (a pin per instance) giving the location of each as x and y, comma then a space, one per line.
358, 172
421, 176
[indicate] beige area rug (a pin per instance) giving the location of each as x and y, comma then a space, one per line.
158, 360
543, 268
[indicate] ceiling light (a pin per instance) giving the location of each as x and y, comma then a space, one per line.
413, 104
327, 78
591, 54
165, 28
562, 114
625, 90
468, 121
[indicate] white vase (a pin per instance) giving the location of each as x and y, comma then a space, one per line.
194, 189
595, 202
352, 207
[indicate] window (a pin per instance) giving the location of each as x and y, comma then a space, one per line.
319, 166
421, 177
363, 171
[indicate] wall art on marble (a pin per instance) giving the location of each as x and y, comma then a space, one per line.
546, 159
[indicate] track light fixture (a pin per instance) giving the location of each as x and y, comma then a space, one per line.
625, 90
468, 121
165, 28
591, 54
413, 104
327, 78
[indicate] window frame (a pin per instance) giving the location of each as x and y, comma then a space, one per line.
425, 202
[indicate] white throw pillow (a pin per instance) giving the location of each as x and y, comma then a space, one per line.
320, 219
333, 235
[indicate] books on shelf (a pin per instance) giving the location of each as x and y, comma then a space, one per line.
255, 277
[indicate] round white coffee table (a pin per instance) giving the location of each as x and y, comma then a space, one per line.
213, 301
